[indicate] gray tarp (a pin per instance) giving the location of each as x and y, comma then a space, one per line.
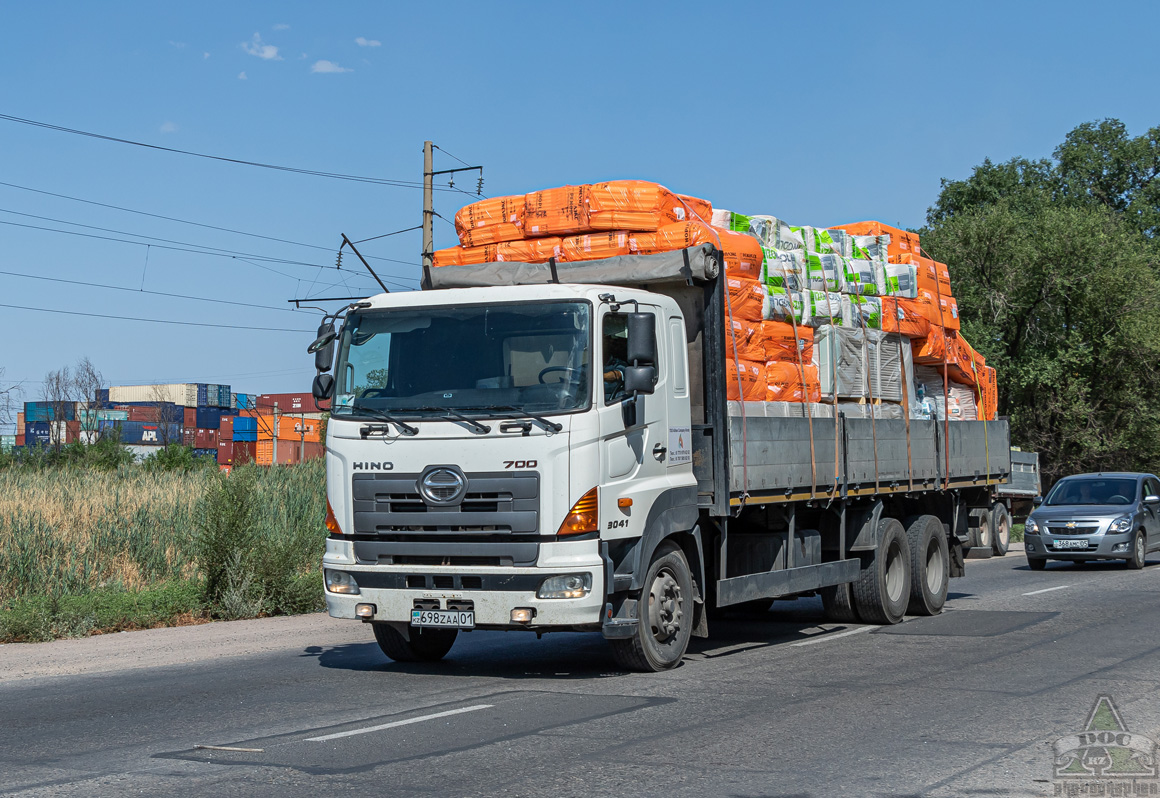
695, 263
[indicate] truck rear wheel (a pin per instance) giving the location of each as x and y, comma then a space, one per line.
979, 536
882, 589
1000, 529
425, 645
929, 565
666, 615
838, 603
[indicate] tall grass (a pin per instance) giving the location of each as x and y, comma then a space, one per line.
72, 531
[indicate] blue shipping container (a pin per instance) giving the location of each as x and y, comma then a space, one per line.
202, 394
245, 401
245, 436
46, 411
209, 417
245, 424
144, 432
223, 396
103, 396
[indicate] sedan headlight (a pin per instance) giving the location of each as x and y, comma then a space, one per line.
1120, 525
1030, 527
568, 586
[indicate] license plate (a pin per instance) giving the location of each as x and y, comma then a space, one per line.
1071, 544
453, 619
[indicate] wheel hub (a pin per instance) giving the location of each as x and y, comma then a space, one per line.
665, 608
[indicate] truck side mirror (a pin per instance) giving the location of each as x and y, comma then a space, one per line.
322, 387
323, 347
640, 379
642, 339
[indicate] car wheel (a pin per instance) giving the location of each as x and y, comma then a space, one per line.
1139, 551
1036, 565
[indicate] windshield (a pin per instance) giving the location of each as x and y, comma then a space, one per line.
1092, 491
532, 358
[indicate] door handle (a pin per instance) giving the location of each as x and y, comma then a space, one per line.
659, 451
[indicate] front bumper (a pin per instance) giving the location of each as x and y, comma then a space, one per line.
1099, 547
493, 591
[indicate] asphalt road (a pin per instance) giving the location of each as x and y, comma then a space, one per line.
968, 703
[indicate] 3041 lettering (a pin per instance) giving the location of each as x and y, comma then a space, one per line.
621, 523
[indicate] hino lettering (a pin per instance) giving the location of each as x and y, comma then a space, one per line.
608, 377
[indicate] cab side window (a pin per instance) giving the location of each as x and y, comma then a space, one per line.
614, 345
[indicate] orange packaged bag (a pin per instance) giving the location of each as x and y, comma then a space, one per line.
987, 406
907, 317
530, 250
632, 205
746, 299
556, 211
490, 221
696, 209
749, 340
930, 350
464, 256
743, 254
750, 374
787, 382
594, 246
452, 256
902, 242
782, 344
673, 237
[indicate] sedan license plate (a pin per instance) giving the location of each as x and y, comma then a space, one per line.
1071, 544
448, 619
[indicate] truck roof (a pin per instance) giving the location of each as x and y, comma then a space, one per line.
496, 294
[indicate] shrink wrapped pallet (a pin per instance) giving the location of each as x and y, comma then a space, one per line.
824, 272
696, 209
839, 356
742, 254
862, 277
885, 370
556, 211
876, 248
900, 280
944, 399
788, 382
817, 240
744, 380
594, 246
747, 299
904, 316
864, 312
745, 340
490, 221
632, 205
769, 230
783, 342
822, 308
783, 268
783, 305
843, 242
878, 410
902, 242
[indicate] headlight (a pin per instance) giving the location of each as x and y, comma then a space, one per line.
565, 587
1029, 526
341, 582
1121, 525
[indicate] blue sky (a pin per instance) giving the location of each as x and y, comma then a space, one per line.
816, 113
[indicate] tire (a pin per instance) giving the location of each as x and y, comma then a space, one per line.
666, 615
930, 565
838, 603
1037, 564
1000, 529
980, 536
425, 645
1139, 551
882, 589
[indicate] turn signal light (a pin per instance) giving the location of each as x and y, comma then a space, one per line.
582, 518
331, 522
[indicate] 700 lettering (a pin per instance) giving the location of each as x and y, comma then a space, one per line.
519, 463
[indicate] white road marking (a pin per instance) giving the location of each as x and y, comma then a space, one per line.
406, 722
1045, 590
823, 638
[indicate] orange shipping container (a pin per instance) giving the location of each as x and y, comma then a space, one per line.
782, 344
749, 339
746, 298
556, 211
788, 382
632, 205
289, 452
751, 376
490, 220
290, 428
902, 242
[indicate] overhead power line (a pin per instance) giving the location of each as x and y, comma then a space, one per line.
313, 172
153, 321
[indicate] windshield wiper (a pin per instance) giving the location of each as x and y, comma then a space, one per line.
551, 426
454, 415
403, 426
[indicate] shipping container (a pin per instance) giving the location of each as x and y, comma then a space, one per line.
144, 433
72, 431
289, 428
236, 452
245, 437
223, 396
103, 396
209, 417
20, 423
205, 453
20, 440
226, 428
7, 443
189, 436
48, 411
289, 452
206, 439
245, 424
287, 403
180, 393
189, 417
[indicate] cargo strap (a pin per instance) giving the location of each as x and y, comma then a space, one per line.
866, 374
552, 267
802, 373
740, 391
946, 376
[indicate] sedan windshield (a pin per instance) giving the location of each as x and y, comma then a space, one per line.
531, 358
1092, 491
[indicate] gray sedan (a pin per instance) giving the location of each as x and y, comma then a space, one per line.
1096, 517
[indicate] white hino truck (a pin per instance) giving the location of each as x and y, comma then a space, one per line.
550, 447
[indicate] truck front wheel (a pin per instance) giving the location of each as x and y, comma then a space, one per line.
425, 645
882, 590
666, 615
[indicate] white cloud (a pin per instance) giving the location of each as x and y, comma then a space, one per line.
242, 76
267, 52
281, 26
169, 127
328, 68
361, 42
178, 45
205, 55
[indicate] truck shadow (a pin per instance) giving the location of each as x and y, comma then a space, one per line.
581, 655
